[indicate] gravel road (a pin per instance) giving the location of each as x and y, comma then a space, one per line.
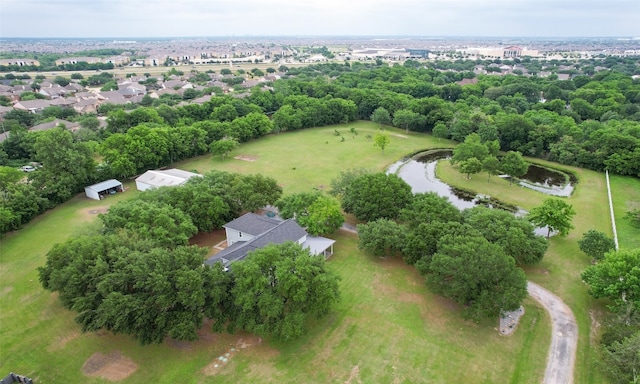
564, 336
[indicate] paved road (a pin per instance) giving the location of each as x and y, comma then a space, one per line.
564, 336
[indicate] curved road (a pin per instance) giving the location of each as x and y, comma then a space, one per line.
564, 336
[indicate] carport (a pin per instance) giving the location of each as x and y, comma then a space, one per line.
100, 190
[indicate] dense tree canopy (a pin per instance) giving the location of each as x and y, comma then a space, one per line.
477, 274
376, 196
278, 287
130, 286
616, 277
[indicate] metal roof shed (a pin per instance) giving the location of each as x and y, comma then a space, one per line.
97, 191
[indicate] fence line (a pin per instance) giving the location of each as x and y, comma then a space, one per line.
613, 218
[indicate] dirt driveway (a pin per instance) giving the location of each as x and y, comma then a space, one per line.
564, 336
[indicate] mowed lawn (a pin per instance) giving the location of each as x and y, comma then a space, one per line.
563, 263
625, 193
387, 328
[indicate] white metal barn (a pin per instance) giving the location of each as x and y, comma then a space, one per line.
163, 178
100, 190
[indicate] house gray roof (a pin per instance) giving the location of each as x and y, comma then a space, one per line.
282, 232
252, 224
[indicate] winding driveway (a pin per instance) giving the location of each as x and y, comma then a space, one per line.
564, 336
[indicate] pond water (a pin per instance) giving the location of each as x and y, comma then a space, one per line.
419, 172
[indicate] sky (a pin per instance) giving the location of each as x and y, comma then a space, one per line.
183, 18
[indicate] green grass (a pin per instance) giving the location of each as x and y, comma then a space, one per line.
625, 193
563, 263
387, 328
311, 158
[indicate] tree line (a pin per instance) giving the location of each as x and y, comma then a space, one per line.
603, 133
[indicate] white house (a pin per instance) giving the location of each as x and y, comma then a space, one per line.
251, 231
163, 178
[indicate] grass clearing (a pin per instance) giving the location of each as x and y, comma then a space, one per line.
388, 327
625, 193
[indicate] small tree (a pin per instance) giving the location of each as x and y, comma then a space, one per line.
514, 165
595, 244
381, 237
634, 216
555, 214
381, 140
381, 116
440, 131
223, 147
471, 167
491, 165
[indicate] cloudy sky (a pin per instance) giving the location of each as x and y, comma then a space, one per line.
173, 18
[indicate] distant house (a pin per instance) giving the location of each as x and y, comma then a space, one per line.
163, 178
251, 231
33, 106
100, 190
56, 123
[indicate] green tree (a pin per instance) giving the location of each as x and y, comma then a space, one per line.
471, 147
381, 237
381, 140
381, 116
477, 274
621, 359
279, 287
128, 286
376, 196
616, 277
223, 147
471, 166
429, 208
516, 235
440, 131
634, 217
555, 214
320, 214
325, 216
491, 165
514, 165
67, 165
595, 244
155, 221
8, 176
406, 119
340, 183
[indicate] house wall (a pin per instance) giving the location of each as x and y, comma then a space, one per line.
234, 236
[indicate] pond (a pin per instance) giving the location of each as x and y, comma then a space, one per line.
419, 172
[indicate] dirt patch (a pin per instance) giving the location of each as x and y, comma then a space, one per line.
113, 366
61, 341
90, 213
6, 290
246, 158
400, 136
354, 375
221, 361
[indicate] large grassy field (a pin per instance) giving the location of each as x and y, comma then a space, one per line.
388, 327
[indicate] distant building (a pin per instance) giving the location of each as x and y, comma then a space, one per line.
19, 62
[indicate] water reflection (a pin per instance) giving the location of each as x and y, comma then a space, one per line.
420, 173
